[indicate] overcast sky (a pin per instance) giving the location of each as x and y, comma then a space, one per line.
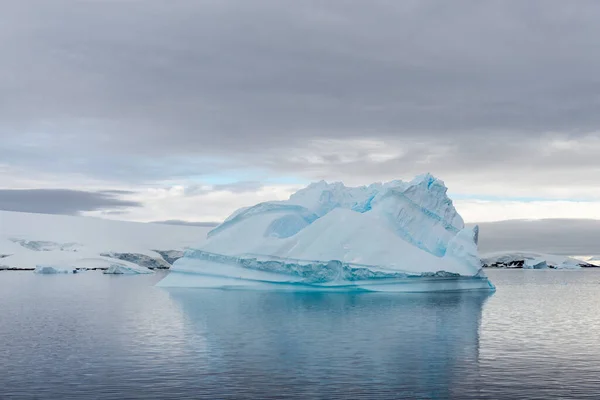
186, 110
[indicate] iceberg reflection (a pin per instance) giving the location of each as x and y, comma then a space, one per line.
337, 345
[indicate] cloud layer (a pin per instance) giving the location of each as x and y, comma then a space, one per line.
554, 236
498, 98
62, 201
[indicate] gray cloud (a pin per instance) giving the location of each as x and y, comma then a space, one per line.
117, 192
186, 223
60, 201
552, 236
115, 212
239, 187
234, 187
145, 91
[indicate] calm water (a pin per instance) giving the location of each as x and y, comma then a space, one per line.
99, 337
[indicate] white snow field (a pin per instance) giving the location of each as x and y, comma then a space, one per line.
59, 243
593, 261
532, 260
395, 236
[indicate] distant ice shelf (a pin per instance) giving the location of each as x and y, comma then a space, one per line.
532, 260
393, 236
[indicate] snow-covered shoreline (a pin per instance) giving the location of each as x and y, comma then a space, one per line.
532, 260
28, 241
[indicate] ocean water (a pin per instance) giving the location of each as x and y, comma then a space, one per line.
92, 336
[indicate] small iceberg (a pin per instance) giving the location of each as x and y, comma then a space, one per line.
395, 237
53, 269
126, 269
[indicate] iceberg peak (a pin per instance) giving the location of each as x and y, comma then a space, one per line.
426, 178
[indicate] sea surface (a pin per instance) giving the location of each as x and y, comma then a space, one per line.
93, 336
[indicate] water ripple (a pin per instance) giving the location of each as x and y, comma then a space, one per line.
90, 336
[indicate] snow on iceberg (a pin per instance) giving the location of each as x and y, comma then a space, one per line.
395, 236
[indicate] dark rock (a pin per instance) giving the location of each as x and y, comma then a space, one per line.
7, 268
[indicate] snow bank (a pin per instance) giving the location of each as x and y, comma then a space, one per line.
330, 236
593, 261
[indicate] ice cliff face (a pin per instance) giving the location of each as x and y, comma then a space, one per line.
421, 213
381, 231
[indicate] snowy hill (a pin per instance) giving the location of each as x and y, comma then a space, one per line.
329, 235
28, 240
530, 260
592, 260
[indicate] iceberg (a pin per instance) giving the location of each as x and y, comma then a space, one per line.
53, 269
126, 269
395, 236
